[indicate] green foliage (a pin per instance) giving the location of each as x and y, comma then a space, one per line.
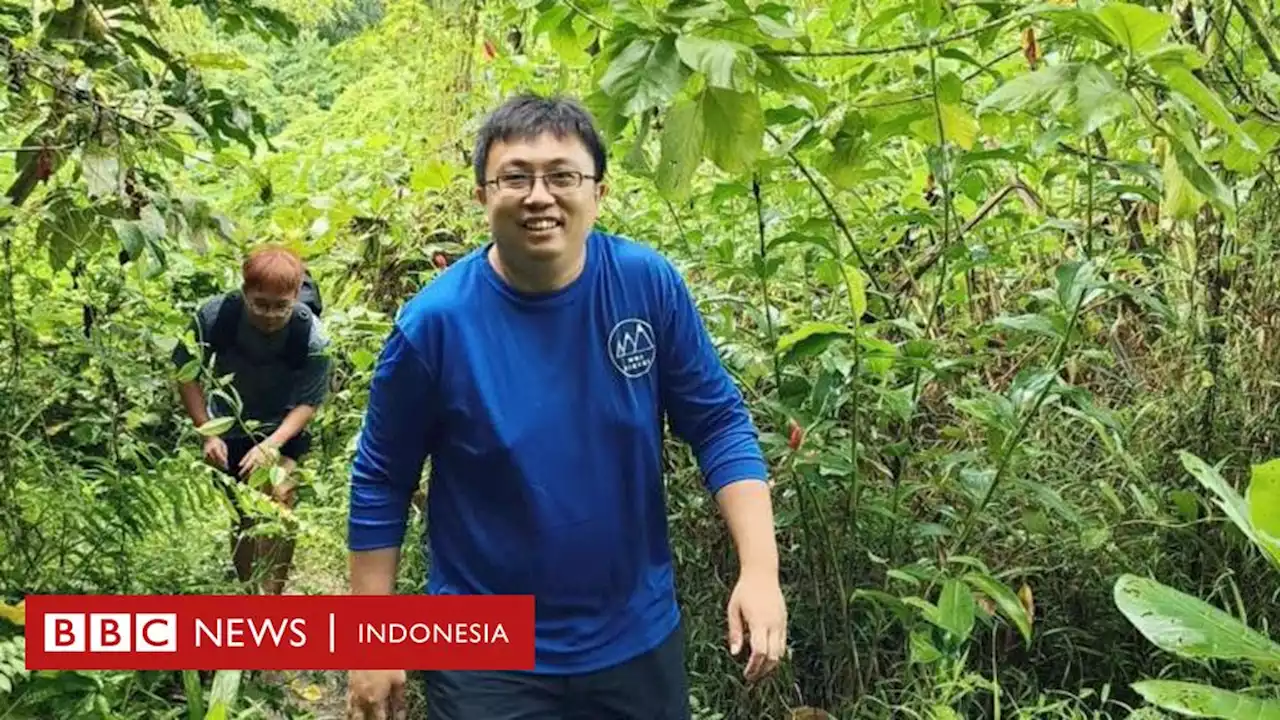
980, 270
1181, 624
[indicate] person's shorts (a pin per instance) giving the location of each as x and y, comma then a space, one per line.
652, 686
239, 446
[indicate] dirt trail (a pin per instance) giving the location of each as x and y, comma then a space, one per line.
312, 695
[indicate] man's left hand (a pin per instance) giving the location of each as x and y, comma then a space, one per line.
263, 455
757, 606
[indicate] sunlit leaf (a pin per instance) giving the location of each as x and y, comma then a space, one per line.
16, 614
1263, 498
645, 75
101, 167
733, 126
1135, 27
955, 609
216, 426
1006, 601
726, 64
1180, 78
1181, 200
681, 148
1237, 157
1184, 625
811, 339
958, 125
1206, 701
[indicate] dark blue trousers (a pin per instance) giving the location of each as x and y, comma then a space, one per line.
652, 686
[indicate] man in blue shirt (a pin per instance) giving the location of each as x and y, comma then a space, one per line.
536, 373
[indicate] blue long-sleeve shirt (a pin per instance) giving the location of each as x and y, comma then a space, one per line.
542, 416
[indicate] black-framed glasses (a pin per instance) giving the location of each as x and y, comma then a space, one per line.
560, 181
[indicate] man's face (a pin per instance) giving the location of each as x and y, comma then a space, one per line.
269, 311
537, 209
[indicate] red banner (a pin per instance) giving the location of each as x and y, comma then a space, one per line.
285, 632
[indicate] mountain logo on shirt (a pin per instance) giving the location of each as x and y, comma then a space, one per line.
632, 348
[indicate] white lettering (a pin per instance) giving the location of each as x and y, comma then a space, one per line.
258, 631
423, 633
215, 636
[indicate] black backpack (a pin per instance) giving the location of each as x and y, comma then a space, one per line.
296, 344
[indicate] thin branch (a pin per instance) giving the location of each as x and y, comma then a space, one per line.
864, 52
587, 16
835, 214
35, 148
986, 67
1258, 36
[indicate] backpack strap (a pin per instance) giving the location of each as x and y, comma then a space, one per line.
223, 333
297, 345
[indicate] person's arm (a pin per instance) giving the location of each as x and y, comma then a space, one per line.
193, 402
747, 509
292, 424
708, 412
390, 452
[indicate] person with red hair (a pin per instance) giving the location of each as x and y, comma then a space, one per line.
268, 337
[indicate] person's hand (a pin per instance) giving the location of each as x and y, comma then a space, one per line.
757, 606
262, 455
376, 695
215, 451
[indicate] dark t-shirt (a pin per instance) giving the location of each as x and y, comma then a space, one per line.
266, 386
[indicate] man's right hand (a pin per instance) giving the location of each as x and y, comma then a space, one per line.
376, 695
215, 451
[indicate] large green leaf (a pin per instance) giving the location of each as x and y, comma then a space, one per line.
681, 149
1087, 94
1200, 176
1005, 599
733, 125
101, 168
646, 74
223, 694
857, 284
216, 426
1030, 89
1231, 502
1184, 625
1181, 200
726, 64
195, 694
1099, 98
1074, 22
811, 338
1206, 701
955, 609
1136, 28
1237, 157
1263, 497
1175, 72
958, 125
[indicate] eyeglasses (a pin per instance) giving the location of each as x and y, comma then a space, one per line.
560, 181
279, 308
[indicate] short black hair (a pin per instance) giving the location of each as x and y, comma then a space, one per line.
528, 115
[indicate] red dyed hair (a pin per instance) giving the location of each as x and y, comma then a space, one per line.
273, 269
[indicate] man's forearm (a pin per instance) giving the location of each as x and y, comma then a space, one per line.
748, 511
292, 425
193, 402
373, 572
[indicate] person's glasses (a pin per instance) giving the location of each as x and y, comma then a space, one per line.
278, 308
558, 182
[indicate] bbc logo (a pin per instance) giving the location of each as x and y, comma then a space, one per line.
111, 632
